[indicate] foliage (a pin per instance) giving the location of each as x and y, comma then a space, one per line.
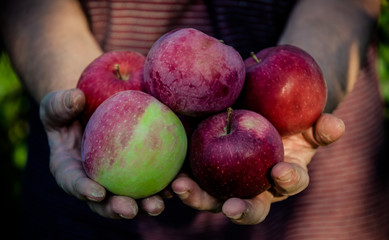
13, 135
383, 52
13, 110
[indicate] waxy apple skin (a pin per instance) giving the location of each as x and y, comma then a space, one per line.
286, 87
235, 164
133, 145
100, 79
193, 73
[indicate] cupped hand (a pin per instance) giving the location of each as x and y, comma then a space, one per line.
289, 177
59, 112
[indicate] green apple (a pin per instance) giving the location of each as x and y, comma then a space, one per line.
133, 145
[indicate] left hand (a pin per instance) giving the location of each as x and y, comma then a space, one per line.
290, 177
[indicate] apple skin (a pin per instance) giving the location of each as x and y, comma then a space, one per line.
100, 79
286, 87
235, 164
193, 73
133, 145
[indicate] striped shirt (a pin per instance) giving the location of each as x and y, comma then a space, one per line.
344, 199
348, 192
136, 25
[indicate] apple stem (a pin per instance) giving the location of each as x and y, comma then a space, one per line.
117, 71
229, 112
255, 57
221, 40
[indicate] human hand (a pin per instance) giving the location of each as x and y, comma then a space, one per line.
59, 112
289, 177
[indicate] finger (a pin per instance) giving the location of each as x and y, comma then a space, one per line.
289, 178
88, 188
61, 107
71, 177
326, 130
153, 205
248, 211
192, 195
116, 207
167, 193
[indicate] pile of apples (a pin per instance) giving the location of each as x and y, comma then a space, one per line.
135, 142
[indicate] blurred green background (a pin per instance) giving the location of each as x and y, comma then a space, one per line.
383, 52
14, 127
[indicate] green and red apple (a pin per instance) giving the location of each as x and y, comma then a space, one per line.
133, 145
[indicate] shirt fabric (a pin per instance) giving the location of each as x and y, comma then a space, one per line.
348, 192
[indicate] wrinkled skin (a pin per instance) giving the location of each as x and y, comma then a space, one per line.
290, 177
59, 112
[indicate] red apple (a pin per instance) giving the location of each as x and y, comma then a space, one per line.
108, 74
193, 73
133, 145
231, 154
286, 86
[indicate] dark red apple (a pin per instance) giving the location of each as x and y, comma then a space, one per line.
193, 73
108, 74
231, 154
286, 86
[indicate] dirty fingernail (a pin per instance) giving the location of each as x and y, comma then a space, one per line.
97, 195
183, 195
286, 177
68, 99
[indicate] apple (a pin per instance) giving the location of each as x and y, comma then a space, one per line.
231, 154
285, 85
193, 73
108, 74
133, 145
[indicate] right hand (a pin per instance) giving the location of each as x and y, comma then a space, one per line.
290, 177
59, 112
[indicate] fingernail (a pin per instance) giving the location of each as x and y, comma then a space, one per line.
154, 214
133, 214
126, 217
183, 195
123, 216
97, 195
157, 207
286, 177
68, 98
238, 216
160, 203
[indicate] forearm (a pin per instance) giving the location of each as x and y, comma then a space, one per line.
49, 43
336, 33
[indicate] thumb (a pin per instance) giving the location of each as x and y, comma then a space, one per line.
326, 130
61, 107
